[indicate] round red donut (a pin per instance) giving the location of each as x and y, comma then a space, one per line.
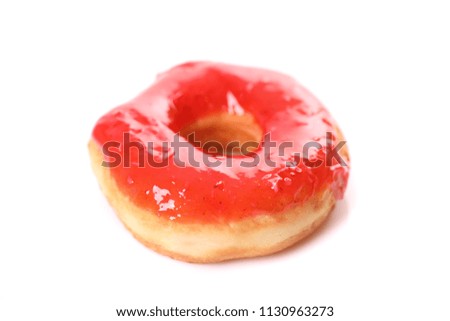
216, 162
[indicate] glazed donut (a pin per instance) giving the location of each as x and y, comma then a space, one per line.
216, 162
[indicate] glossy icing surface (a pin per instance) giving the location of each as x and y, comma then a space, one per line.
282, 108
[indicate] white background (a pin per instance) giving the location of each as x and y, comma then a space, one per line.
382, 69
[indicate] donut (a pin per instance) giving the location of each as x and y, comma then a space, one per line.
215, 162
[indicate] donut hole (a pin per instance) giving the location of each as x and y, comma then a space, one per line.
224, 134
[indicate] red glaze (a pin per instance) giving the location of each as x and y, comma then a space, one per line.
190, 91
